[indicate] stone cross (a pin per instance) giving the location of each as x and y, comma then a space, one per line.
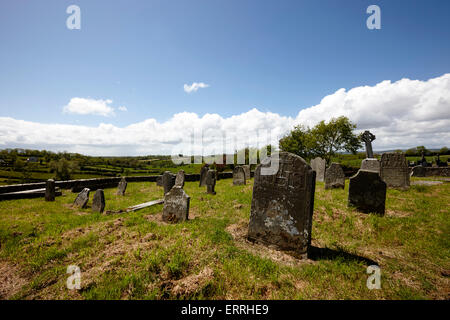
368, 137
50, 190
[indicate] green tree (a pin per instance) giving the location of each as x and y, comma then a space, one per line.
297, 141
444, 151
63, 168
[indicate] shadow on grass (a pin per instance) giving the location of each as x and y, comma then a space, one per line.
316, 253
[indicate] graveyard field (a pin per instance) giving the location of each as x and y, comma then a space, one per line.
137, 256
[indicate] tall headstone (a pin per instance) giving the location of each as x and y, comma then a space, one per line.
367, 192
394, 170
122, 187
168, 180
282, 203
211, 177
238, 176
372, 164
98, 201
176, 205
50, 190
334, 176
247, 171
318, 165
179, 180
203, 172
368, 137
82, 198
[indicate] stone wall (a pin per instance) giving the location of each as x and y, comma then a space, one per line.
419, 171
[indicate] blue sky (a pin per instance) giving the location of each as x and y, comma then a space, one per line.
275, 56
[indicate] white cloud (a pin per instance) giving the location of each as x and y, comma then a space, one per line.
194, 86
89, 106
402, 114
122, 108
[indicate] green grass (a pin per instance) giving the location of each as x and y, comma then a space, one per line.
136, 256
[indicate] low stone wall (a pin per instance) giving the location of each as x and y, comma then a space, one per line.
419, 171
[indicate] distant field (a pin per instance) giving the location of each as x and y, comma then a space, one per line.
136, 256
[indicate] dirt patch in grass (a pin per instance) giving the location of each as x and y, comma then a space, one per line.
192, 283
10, 280
397, 213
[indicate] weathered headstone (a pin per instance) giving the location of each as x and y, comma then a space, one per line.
318, 165
176, 205
179, 180
334, 176
238, 176
98, 201
50, 190
122, 187
203, 172
211, 178
168, 179
282, 203
367, 192
394, 170
368, 137
159, 182
82, 198
372, 164
247, 171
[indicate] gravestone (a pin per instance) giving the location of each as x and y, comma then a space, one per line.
282, 203
176, 205
159, 181
168, 179
203, 172
238, 176
367, 192
122, 187
368, 137
82, 198
179, 180
334, 176
98, 201
211, 178
318, 165
50, 190
394, 170
371, 164
247, 172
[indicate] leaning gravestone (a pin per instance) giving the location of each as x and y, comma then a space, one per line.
98, 201
334, 176
168, 180
367, 192
82, 198
282, 203
247, 172
211, 178
394, 170
371, 164
122, 187
203, 172
176, 205
50, 190
318, 165
179, 180
238, 176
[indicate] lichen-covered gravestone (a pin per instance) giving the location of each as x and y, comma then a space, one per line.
98, 201
367, 192
318, 165
122, 187
238, 176
282, 203
334, 176
203, 172
168, 179
394, 170
179, 180
247, 172
371, 164
176, 205
50, 190
82, 198
211, 177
